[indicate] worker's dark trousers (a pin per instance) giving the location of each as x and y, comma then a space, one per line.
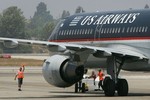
100, 84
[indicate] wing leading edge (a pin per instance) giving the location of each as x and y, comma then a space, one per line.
107, 51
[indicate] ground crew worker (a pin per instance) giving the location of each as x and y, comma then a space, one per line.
20, 76
93, 75
100, 74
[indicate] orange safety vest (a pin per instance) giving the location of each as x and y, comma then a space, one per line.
20, 74
100, 74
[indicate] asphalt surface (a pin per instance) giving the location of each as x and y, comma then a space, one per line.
36, 88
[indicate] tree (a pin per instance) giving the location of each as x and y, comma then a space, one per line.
47, 30
13, 26
79, 10
65, 14
13, 23
146, 6
41, 18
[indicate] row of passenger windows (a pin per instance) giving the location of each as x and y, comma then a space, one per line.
123, 30
76, 32
104, 31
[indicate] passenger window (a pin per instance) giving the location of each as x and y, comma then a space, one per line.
80, 31
123, 30
72, 32
143, 29
127, 29
110, 31
85, 31
107, 30
113, 30
102, 30
64, 32
91, 31
131, 29
140, 28
59, 33
75, 32
88, 31
118, 30
134, 28
67, 32
146, 28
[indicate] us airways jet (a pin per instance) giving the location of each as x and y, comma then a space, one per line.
117, 40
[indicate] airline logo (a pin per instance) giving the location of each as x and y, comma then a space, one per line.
105, 19
75, 21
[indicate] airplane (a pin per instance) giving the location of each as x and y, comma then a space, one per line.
115, 40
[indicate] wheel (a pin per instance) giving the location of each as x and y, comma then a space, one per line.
76, 87
104, 82
122, 87
83, 87
109, 87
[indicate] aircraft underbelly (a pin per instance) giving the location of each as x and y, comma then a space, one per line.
93, 62
137, 66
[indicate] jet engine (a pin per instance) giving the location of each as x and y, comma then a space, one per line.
60, 71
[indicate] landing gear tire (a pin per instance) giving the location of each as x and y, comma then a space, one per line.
122, 87
109, 87
83, 87
76, 88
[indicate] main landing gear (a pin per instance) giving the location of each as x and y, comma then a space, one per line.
113, 84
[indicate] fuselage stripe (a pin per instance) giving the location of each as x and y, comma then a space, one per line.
101, 39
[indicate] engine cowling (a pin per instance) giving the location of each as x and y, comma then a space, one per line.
59, 71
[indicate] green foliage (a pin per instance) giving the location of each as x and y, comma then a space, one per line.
79, 10
48, 28
39, 24
65, 14
146, 6
12, 23
1, 48
41, 16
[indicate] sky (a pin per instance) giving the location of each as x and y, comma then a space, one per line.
56, 7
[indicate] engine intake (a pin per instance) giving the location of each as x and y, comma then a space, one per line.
59, 71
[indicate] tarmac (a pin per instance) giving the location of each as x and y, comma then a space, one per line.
36, 88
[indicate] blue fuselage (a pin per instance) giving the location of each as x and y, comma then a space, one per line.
118, 29
104, 26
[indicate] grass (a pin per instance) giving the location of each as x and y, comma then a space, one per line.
18, 62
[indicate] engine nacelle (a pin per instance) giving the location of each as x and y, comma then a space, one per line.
59, 71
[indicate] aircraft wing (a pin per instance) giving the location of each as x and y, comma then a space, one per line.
107, 51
